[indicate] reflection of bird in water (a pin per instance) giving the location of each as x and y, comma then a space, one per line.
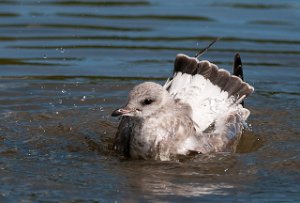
197, 110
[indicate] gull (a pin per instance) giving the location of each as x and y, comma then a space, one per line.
198, 110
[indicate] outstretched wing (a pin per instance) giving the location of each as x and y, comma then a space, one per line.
211, 92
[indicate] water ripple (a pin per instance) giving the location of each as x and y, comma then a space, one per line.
140, 17
132, 47
74, 26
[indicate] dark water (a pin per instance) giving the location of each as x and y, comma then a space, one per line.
65, 65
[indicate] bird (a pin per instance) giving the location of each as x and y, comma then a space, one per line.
198, 110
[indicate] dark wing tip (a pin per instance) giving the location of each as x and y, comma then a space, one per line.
185, 64
237, 66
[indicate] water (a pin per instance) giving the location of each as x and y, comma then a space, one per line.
65, 65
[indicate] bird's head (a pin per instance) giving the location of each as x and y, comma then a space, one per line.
144, 100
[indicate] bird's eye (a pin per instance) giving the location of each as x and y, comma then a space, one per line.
147, 102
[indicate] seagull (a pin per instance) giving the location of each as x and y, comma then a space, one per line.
198, 110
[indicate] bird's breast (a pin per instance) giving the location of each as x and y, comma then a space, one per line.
151, 138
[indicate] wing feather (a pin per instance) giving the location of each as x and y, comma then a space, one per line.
211, 92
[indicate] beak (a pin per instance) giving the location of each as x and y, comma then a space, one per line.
123, 112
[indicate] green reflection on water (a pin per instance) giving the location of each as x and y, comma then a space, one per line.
8, 15
74, 26
79, 3
99, 3
253, 6
30, 61
140, 17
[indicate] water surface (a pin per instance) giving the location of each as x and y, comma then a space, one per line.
65, 65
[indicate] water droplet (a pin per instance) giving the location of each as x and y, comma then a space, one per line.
61, 50
56, 112
63, 91
42, 128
